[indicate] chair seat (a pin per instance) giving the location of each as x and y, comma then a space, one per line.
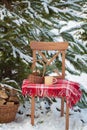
62, 88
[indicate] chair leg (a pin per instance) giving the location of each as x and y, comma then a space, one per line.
67, 117
62, 106
32, 109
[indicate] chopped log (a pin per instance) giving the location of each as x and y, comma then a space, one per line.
10, 103
13, 99
3, 94
2, 101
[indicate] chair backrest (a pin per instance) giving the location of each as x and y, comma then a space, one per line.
58, 49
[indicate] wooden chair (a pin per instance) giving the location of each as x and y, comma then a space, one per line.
59, 48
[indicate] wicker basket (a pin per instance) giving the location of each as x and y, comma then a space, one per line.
8, 113
36, 79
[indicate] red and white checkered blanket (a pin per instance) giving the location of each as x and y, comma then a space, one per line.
63, 88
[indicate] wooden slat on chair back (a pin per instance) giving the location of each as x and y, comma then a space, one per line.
56, 46
48, 45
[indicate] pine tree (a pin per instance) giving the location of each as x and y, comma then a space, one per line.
41, 20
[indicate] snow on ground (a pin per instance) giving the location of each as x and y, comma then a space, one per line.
49, 119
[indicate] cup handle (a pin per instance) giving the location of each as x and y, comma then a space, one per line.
54, 80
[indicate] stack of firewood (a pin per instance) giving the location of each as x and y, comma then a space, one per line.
8, 96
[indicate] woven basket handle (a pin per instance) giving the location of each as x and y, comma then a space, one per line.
44, 66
